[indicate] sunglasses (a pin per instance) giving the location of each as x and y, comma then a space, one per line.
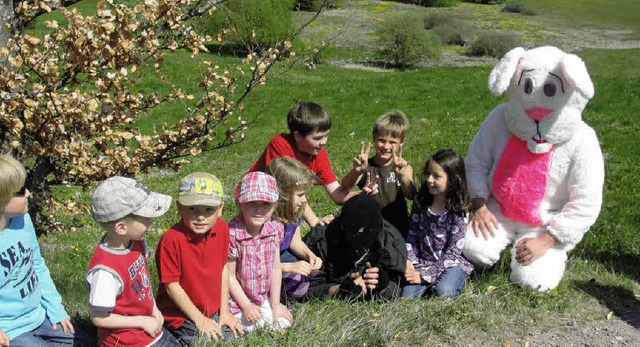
21, 192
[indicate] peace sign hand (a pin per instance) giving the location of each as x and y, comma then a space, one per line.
399, 164
360, 162
370, 187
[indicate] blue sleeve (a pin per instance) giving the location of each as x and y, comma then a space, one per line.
51, 299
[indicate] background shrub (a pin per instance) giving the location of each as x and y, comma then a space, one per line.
432, 3
457, 33
405, 42
517, 7
451, 30
493, 44
271, 21
486, 2
432, 20
314, 5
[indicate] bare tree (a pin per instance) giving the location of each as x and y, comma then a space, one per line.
69, 101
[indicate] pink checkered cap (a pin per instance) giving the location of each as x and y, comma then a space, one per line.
258, 186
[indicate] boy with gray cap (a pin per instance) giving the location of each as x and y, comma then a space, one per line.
120, 294
192, 264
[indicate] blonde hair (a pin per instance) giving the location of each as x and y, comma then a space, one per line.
292, 176
394, 123
12, 177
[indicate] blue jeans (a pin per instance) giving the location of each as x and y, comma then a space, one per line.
167, 340
189, 335
449, 285
44, 335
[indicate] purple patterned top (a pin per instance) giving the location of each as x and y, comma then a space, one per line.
435, 242
289, 231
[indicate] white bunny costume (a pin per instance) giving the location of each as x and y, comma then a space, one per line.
535, 162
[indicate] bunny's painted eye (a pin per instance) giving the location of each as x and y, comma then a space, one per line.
528, 86
549, 89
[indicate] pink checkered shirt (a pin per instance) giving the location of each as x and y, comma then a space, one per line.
254, 258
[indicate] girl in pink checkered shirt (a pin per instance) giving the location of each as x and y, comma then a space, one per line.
255, 273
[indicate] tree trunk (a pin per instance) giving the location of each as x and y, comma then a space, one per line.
6, 14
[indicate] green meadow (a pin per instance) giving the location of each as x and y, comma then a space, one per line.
445, 106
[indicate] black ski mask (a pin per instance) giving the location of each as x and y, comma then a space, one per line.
361, 221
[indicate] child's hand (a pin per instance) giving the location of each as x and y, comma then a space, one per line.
150, 325
226, 318
315, 261
370, 278
301, 267
280, 310
209, 328
360, 162
399, 164
4, 339
370, 187
66, 326
158, 315
252, 313
326, 219
411, 275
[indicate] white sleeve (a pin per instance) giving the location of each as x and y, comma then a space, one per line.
104, 288
585, 185
483, 152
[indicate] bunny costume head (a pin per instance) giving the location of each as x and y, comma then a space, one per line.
547, 89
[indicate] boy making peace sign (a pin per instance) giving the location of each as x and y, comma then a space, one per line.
392, 173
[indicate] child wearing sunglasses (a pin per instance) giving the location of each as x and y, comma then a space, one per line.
31, 311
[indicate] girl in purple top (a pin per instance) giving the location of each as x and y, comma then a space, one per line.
437, 228
298, 261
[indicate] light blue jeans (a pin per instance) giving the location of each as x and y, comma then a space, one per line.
44, 335
448, 285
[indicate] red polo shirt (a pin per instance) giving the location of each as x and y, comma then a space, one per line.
196, 263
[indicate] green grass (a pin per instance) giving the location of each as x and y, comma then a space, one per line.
603, 12
445, 107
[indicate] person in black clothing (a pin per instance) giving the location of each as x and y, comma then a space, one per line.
363, 255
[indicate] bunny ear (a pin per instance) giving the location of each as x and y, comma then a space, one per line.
576, 74
501, 74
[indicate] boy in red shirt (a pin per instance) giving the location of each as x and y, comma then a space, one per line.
309, 127
192, 264
120, 294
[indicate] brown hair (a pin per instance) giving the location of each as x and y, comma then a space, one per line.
457, 195
307, 117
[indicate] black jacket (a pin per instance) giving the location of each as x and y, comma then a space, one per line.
388, 253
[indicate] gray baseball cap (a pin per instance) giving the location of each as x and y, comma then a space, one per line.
118, 197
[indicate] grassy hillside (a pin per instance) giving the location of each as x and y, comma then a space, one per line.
445, 106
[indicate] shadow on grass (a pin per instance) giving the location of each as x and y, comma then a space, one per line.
621, 301
620, 263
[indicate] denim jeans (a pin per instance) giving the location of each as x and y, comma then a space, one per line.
44, 335
189, 335
449, 285
167, 340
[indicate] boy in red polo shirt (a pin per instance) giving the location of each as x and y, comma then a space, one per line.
192, 264
309, 127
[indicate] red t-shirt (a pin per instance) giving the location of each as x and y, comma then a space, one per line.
196, 263
284, 145
136, 298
